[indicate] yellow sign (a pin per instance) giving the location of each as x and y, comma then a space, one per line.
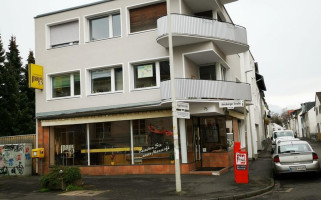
35, 73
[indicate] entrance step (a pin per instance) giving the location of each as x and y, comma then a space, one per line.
215, 171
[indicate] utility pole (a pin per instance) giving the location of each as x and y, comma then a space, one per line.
174, 103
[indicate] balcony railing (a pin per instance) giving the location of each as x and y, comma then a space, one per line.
206, 89
229, 37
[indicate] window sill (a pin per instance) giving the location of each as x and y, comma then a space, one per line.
144, 31
146, 88
63, 46
102, 39
61, 98
105, 93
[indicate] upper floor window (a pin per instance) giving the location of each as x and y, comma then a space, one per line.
103, 27
64, 34
151, 74
65, 85
145, 18
106, 80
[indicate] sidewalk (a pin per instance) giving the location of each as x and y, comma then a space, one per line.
151, 186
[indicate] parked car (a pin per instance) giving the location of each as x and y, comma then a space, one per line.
292, 156
284, 134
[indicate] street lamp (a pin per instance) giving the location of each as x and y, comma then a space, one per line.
174, 103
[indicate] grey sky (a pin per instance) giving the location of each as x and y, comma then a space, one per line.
284, 38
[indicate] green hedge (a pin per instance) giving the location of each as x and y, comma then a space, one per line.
61, 177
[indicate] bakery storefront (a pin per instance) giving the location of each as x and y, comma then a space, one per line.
108, 145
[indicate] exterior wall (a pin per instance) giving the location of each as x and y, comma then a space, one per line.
311, 123
318, 116
15, 159
126, 50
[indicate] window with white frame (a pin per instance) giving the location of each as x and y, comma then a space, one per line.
106, 80
151, 74
103, 27
65, 85
64, 34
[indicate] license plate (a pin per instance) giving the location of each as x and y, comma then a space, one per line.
297, 168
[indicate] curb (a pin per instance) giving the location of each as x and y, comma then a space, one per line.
247, 194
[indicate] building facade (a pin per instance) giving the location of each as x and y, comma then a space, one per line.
106, 102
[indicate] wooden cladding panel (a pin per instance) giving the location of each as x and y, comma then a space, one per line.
145, 18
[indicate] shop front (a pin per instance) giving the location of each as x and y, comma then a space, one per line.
137, 146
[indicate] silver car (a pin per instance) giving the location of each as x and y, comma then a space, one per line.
285, 134
293, 156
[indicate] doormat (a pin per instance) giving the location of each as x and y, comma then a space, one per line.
210, 169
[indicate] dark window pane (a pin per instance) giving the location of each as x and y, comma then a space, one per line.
100, 81
145, 75
69, 145
164, 71
119, 78
61, 86
207, 72
111, 142
154, 138
77, 84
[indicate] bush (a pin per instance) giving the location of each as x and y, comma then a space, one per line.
61, 177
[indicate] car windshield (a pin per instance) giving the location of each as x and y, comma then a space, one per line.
283, 134
294, 148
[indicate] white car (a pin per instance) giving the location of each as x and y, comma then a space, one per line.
284, 135
292, 156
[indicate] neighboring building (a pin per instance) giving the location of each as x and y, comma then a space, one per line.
276, 127
317, 110
107, 101
308, 119
295, 122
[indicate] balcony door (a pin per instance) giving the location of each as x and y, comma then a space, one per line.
207, 72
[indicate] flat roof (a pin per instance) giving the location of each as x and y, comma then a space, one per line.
72, 8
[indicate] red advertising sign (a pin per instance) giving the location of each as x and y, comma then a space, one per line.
240, 164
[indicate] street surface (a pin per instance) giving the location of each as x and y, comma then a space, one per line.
297, 186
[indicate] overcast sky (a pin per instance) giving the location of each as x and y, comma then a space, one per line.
284, 38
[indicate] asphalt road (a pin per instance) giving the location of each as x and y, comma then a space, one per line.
297, 186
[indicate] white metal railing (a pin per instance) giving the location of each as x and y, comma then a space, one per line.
202, 27
206, 89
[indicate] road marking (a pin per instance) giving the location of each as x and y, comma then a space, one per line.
84, 193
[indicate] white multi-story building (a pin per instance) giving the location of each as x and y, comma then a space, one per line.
107, 100
317, 110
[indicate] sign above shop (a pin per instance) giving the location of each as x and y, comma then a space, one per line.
183, 115
231, 104
182, 106
35, 76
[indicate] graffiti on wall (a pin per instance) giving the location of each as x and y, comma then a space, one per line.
15, 159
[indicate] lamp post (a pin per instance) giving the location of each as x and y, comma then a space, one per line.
174, 103
245, 114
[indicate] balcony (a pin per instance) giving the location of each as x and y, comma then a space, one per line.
230, 38
205, 89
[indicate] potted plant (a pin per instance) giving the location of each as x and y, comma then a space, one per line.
171, 157
112, 157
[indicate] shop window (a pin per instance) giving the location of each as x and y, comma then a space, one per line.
64, 34
106, 80
213, 134
207, 72
103, 27
145, 18
66, 147
154, 138
65, 85
110, 143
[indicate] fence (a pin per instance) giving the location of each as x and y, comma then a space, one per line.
19, 139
